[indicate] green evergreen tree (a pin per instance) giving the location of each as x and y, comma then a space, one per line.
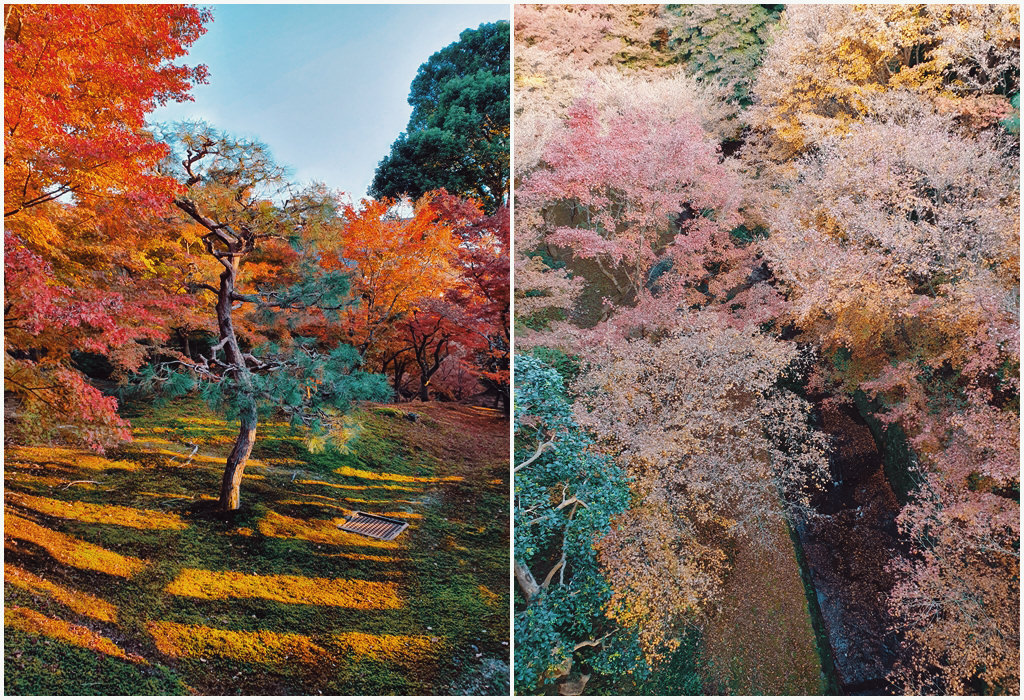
566, 495
458, 135
233, 187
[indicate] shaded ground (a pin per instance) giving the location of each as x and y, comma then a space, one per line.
762, 642
847, 553
127, 582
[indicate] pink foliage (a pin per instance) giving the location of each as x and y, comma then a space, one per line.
624, 188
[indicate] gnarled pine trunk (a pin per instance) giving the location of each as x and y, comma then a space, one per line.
230, 497
235, 245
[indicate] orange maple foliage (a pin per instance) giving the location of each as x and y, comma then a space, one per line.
396, 263
78, 83
90, 264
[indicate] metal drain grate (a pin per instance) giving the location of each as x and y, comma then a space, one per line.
376, 526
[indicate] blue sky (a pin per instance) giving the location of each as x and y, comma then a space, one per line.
324, 86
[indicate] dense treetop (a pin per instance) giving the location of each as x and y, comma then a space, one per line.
458, 135
731, 217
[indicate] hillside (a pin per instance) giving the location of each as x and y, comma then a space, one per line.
121, 579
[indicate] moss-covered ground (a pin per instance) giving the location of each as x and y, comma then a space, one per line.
121, 578
762, 641
759, 641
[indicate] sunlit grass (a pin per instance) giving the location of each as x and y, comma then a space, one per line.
82, 603
23, 478
261, 646
166, 496
313, 530
344, 593
385, 476
71, 550
104, 514
377, 502
406, 650
351, 487
489, 596
400, 514
183, 459
268, 601
359, 556
324, 500
64, 455
318, 504
33, 622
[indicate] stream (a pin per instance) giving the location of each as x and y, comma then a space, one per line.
847, 551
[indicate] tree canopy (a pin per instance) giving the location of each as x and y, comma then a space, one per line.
734, 221
457, 138
92, 264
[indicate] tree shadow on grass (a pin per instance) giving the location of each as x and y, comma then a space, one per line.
254, 566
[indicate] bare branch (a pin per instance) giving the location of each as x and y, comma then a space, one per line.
536, 455
527, 583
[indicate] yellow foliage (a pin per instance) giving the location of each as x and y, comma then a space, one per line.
345, 593
81, 603
535, 80
92, 513
35, 623
70, 550
260, 646
829, 62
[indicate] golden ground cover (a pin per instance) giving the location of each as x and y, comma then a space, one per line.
123, 559
346, 593
762, 641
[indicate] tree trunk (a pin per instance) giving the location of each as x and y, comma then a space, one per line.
236, 245
399, 373
230, 497
527, 583
424, 393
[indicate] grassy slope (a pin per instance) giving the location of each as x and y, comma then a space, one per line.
762, 641
134, 599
